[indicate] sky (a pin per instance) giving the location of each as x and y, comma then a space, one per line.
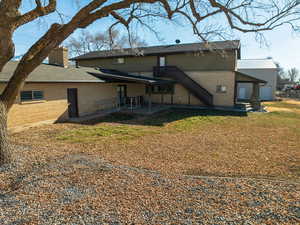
283, 45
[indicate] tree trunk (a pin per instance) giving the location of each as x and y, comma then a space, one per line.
4, 142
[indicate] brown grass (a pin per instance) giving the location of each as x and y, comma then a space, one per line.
194, 143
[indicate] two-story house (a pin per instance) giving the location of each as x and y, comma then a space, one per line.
198, 74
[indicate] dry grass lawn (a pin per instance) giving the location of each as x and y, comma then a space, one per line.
213, 143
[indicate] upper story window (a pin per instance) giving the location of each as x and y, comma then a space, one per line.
119, 60
162, 61
32, 95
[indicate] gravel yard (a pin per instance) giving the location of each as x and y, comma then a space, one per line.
176, 168
83, 189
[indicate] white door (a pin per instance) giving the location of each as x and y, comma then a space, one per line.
266, 93
242, 93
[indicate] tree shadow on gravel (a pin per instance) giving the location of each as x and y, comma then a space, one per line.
31, 174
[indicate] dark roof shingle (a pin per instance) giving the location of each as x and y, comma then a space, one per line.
163, 49
55, 74
50, 73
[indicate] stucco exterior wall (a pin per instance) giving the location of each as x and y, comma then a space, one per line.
205, 61
135, 90
210, 79
198, 61
207, 79
131, 64
95, 97
54, 107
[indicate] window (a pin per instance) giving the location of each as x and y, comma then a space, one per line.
162, 61
161, 89
31, 95
119, 61
221, 89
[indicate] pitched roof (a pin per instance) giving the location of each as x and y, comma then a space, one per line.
55, 74
256, 64
162, 49
242, 77
50, 73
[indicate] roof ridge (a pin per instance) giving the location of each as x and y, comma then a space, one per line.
159, 49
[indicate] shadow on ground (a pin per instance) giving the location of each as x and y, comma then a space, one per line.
161, 118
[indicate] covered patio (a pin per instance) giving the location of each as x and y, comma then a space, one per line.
138, 101
256, 84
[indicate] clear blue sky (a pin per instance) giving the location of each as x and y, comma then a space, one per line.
284, 46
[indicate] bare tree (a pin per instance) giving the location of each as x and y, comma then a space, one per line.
280, 71
293, 74
208, 19
108, 40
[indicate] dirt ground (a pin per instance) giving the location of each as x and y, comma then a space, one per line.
177, 167
207, 143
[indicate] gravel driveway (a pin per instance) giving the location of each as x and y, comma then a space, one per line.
82, 189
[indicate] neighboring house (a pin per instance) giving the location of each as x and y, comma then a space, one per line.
285, 83
264, 69
198, 74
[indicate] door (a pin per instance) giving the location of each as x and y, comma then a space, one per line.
73, 102
242, 93
266, 93
122, 93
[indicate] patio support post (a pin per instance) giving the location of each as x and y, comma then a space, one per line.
255, 101
149, 100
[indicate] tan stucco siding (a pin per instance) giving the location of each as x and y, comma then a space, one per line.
207, 61
95, 97
134, 90
182, 96
91, 98
210, 61
210, 79
131, 64
54, 107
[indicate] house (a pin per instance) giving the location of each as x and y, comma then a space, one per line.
205, 74
264, 69
49, 91
284, 83
194, 75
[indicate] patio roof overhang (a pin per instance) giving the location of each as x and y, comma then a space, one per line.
245, 78
115, 76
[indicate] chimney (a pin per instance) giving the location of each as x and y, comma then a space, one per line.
59, 57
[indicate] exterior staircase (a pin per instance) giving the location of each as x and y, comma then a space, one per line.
181, 77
